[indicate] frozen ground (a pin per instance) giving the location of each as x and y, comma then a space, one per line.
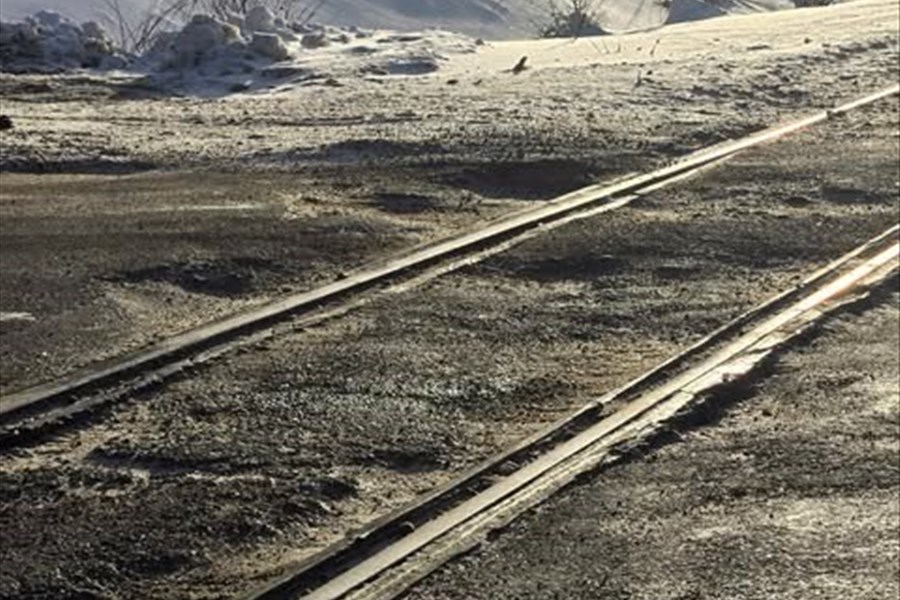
284, 187
587, 92
217, 482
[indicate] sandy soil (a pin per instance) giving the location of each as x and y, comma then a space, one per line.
791, 492
212, 484
292, 186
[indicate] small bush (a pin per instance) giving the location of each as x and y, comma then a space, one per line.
289, 10
137, 35
572, 18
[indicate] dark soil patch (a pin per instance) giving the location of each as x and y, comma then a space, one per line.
94, 166
853, 195
405, 461
674, 272
223, 278
586, 267
141, 89
539, 179
374, 150
406, 204
798, 201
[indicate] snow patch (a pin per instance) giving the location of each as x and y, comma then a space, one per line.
269, 45
8, 317
48, 42
214, 57
623, 16
260, 52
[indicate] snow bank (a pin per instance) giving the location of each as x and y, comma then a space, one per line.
621, 16
48, 42
258, 51
213, 57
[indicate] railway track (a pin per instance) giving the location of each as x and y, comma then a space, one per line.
387, 558
28, 413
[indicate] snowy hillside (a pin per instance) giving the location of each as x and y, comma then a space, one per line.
495, 19
486, 18
78, 10
636, 15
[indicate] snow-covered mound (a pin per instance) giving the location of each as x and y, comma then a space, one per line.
681, 11
620, 16
489, 19
493, 19
210, 56
49, 42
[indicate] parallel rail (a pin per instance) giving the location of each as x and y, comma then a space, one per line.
37, 406
391, 555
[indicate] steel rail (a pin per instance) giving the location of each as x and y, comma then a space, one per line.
155, 362
350, 567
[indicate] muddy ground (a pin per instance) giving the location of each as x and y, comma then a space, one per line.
792, 491
127, 214
213, 484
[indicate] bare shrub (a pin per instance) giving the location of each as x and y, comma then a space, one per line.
570, 18
290, 10
136, 36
